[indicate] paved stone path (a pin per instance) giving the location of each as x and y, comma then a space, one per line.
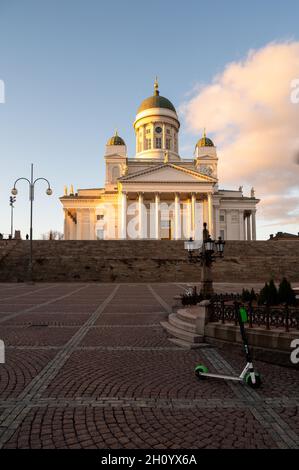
89, 366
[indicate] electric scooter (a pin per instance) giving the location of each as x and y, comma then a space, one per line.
248, 375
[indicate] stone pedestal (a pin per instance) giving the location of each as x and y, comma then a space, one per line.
202, 316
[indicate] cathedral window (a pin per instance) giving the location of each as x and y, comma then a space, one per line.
165, 223
168, 144
100, 217
115, 173
148, 131
148, 144
235, 217
158, 143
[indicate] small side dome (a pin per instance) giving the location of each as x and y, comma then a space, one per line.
205, 141
116, 140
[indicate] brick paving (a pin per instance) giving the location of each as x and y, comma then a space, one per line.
89, 366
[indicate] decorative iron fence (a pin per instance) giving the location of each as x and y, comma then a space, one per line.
269, 317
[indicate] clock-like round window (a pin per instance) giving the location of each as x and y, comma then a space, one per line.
158, 130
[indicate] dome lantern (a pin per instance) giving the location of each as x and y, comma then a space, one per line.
156, 101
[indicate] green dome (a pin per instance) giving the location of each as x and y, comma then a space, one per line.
116, 140
205, 141
156, 101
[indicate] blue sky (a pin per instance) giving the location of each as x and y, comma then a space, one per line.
75, 70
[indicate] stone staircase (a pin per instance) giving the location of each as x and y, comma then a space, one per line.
182, 327
145, 261
6, 247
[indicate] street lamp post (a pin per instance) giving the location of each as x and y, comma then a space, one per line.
14, 192
12, 200
207, 254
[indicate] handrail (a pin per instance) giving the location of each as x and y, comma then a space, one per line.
283, 316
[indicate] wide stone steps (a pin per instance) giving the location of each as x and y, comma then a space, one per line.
179, 333
146, 261
178, 322
187, 316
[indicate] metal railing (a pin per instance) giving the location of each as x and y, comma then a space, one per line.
284, 317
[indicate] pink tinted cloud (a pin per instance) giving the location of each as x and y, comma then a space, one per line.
248, 110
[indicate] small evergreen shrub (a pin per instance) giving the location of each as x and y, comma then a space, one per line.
263, 295
248, 295
270, 295
286, 293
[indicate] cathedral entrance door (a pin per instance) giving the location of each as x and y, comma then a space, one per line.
165, 229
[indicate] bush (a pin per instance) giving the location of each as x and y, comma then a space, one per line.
245, 296
286, 293
272, 294
253, 295
263, 295
268, 294
248, 296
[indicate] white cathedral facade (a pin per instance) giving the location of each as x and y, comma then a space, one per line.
157, 194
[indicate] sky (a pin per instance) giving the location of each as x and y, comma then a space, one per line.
74, 70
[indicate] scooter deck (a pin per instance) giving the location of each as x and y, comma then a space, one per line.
221, 376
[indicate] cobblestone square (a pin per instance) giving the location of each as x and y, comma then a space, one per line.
89, 366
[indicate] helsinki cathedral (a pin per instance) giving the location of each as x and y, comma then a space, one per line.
157, 194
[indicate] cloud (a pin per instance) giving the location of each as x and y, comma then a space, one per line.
248, 112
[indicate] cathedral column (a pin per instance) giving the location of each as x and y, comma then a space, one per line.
79, 225
72, 228
210, 215
157, 216
140, 215
177, 217
253, 225
241, 219
217, 222
248, 227
123, 220
66, 225
91, 224
143, 138
193, 201
187, 219
163, 136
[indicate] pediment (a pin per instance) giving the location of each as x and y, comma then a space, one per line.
167, 173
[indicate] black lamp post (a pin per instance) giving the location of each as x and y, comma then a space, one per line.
207, 253
12, 200
14, 192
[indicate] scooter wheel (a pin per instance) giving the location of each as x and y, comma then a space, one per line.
257, 383
199, 370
